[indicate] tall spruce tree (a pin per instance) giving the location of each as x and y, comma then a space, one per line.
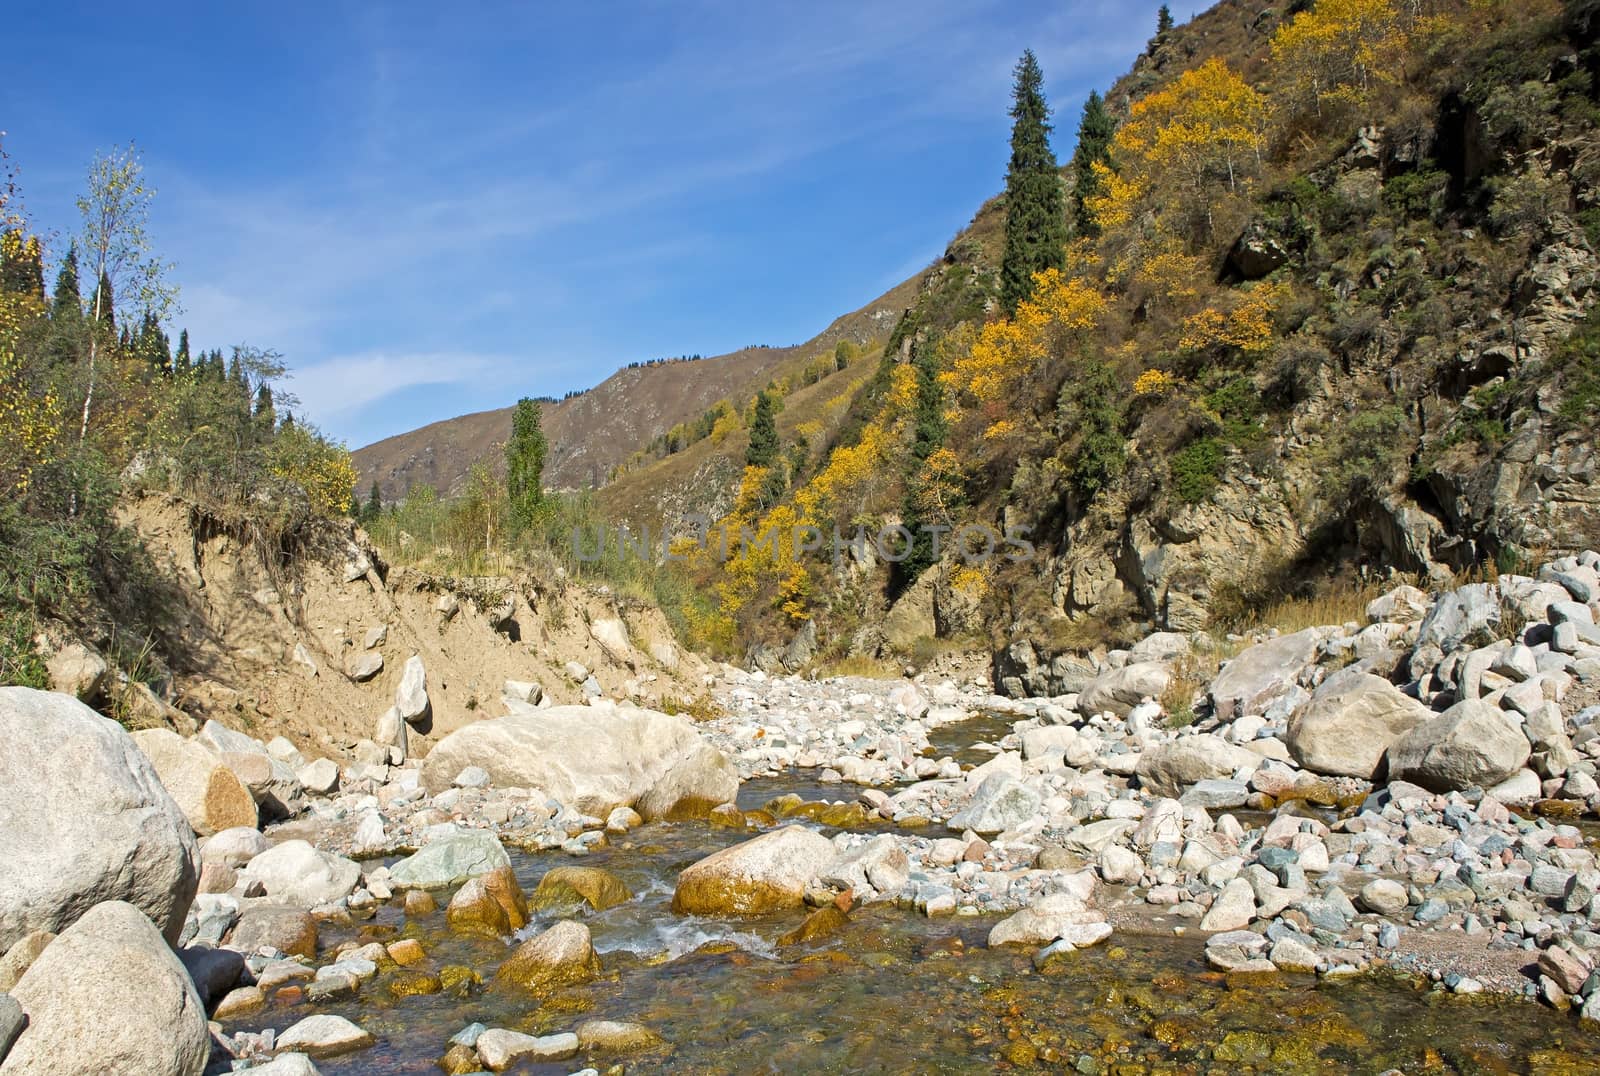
1094, 146
1163, 21
1036, 223
374, 507
103, 307
763, 448
66, 303
929, 427
525, 454
181, 362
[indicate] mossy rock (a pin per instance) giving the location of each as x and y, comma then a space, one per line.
785, 805
565, 887
1564, 810
727, 816
760, 818
411, 984
561, 956
843, 815
460, 1060
474, 911
821, 923
459, 980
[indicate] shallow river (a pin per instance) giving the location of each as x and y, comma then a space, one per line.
895, 992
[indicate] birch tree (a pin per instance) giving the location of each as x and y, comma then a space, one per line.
116, 249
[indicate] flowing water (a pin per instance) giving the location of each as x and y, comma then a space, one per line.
894, 992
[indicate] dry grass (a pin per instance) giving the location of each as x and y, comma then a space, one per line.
699, 708
859, 665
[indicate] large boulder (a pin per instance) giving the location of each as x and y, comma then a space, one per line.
84, 819
1471, 744
108, 995
764, 874
450, 861
272, 781
560, 956
1165, 770
1001, 802
210, 794
1350, 722
593, 758
1120, 690
1263, 674
296, 873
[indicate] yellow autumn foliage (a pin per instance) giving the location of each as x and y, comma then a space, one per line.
1248, 325
1154, 383
1008, 352
29, 425
1338, 51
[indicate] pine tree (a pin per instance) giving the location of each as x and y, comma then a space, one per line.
66, 305
929, 427
525, 454
763, 447
1163, 22
265, 418
103, 307
374, 507
1094, 146
1036, 225
181, 363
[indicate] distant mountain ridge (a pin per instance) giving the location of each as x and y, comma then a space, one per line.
594, 431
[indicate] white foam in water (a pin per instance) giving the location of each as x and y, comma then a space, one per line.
674, 938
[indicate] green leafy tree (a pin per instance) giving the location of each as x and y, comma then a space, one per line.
1036, 223
763, 448
1094, 146
525, 455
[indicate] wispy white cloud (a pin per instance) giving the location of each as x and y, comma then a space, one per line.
336, 387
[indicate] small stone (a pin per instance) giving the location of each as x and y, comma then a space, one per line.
419, 903
324, 1035
240, 1001
499, 1048
1383, 896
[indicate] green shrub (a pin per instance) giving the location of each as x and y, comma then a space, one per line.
1196, 470
20, 664
1416, 195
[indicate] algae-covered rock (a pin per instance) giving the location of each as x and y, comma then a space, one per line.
561, 956
568, 886
764, 874
826, 920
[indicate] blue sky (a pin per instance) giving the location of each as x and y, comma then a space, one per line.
433, 209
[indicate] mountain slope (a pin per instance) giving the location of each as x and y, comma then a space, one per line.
595, 431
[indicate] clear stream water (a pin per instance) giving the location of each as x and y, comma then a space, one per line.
894, 992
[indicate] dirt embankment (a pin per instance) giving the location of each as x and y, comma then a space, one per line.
274, 650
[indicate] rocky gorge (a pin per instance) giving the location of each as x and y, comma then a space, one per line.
1360, 824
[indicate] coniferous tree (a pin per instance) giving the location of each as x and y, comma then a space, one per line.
929, 427
103, 307
1163, 21
66, 304
1094, 146
525, 454
181, 363
265, 417
374, 507
763, 447
1036, 224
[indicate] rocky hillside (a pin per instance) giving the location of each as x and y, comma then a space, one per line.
1341, 332
593, 432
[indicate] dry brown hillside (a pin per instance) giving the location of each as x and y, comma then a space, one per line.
594, 432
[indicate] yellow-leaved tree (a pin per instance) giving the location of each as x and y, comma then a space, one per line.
1333, 55
1012, 353
1205, 131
